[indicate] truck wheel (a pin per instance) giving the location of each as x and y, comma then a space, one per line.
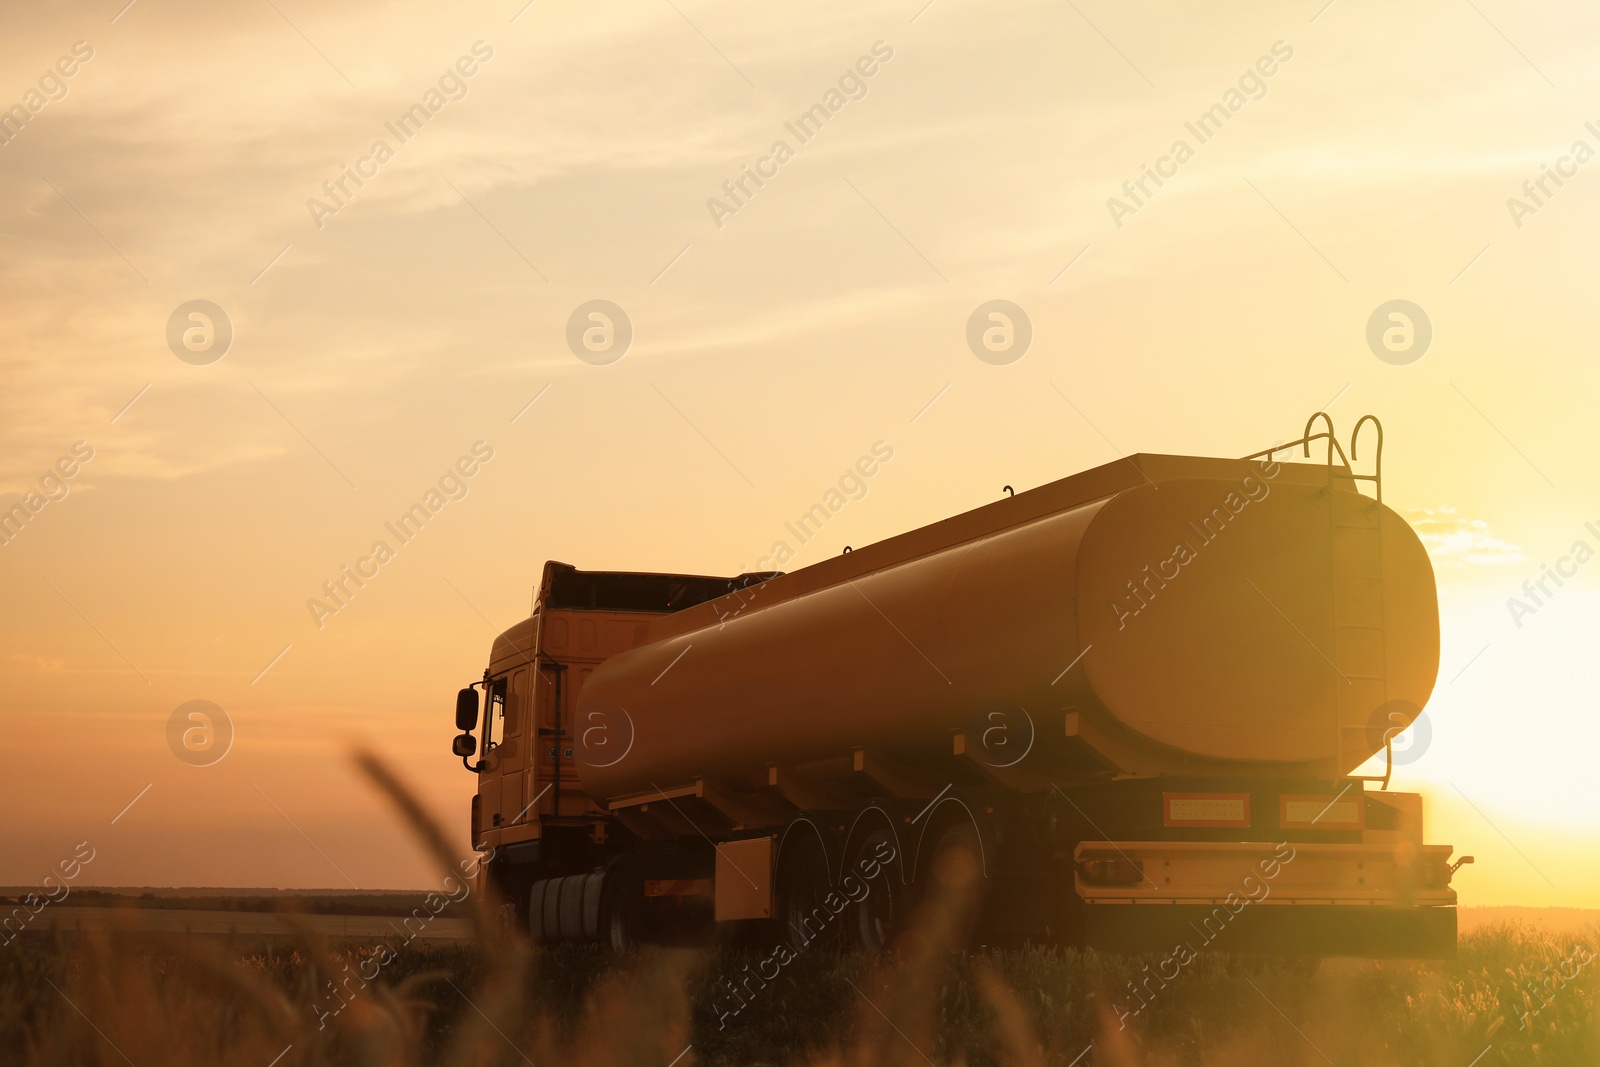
875, 920
536, 912
953, 883
804, 921
622, 908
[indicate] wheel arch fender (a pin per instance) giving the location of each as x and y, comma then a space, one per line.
950, 810
876, 815
804, 826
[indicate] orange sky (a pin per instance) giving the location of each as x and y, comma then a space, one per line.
374, 344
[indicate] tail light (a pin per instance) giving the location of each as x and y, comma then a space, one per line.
1312, 812
1205, 809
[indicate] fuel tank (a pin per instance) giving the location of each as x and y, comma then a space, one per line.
1159, 614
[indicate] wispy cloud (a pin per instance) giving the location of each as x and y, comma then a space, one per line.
1453, 540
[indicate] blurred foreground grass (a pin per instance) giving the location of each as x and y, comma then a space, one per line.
133, 1000
303, 1001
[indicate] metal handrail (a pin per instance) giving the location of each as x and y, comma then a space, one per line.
1333, 446
1376, 477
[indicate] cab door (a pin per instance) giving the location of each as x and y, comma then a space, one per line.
502, 813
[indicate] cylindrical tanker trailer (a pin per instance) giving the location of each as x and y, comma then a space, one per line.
1132, 701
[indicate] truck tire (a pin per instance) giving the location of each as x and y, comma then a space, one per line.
565, 908
953, 884
621, 912
536, 910
872, 923
804, 921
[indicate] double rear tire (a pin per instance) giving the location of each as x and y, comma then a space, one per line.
879, 916
622, 910
804, 919
870, 906
953, 885
605, 905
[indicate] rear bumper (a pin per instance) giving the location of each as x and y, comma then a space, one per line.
1379, 899
1371, 932
1214, 872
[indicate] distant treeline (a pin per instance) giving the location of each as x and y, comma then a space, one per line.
313, 904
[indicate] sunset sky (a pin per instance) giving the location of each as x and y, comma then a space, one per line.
379, 337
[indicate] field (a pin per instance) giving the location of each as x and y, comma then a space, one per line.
114, 999
131, 990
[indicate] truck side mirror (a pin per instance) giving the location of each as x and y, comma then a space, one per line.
467, 709
464, 745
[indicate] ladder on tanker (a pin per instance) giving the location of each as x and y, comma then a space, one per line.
1359, 635
1355, 545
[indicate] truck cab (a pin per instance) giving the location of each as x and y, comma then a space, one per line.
519, 725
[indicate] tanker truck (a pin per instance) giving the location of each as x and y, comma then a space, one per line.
1133, 701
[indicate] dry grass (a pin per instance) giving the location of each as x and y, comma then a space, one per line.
123, 999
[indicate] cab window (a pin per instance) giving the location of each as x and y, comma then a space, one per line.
494, 722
